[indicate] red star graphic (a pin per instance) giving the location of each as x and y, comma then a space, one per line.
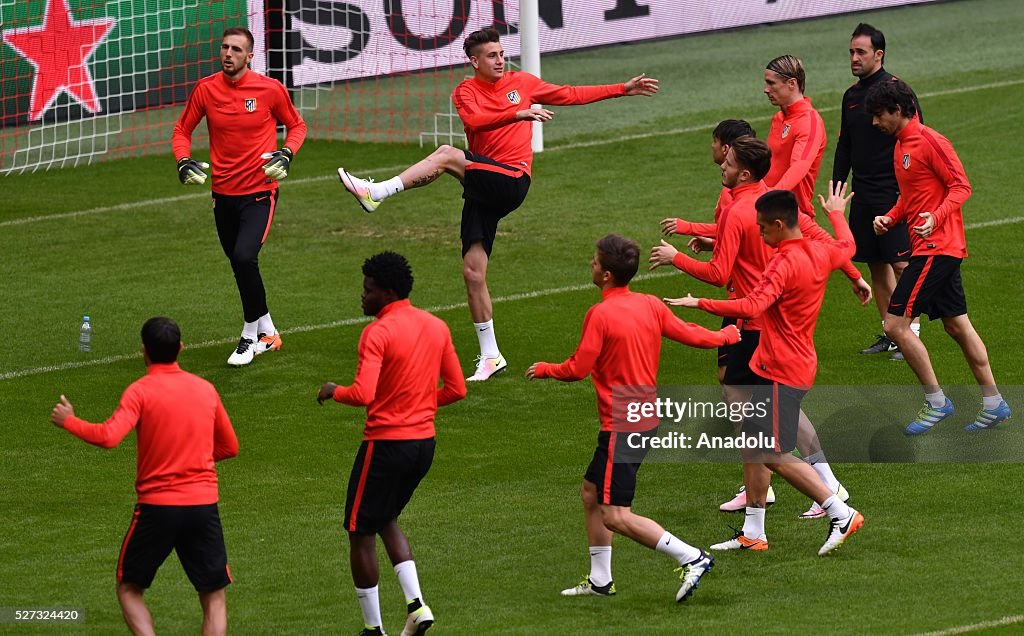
58, 49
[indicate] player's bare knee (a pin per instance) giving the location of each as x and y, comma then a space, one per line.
613, 518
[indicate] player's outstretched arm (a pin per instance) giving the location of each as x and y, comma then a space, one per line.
641, 85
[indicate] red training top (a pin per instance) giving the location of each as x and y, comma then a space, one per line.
241, 117
931, 179
402, 354
182, 430
789, 297
797, 141
488, 112
621, 346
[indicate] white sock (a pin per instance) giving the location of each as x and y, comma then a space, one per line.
385, 189
250, 330
600, 565
916, 328
835, 507
753, 523
369, 603
820, 466
935, 400
407, 579
266, 325
488, 343
678, 549
989, 402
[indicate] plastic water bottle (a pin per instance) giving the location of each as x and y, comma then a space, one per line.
85, 336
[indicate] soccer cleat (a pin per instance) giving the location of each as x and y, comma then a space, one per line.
739, 502
897, 356
372, 631
418, 622
359, 188
266, 343
989, 418
244, 353
740, 542
586, 588
883, 344
690, 575
840, 531
817, 512
487, 367
928, 417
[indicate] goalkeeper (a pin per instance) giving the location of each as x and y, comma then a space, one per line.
242, 109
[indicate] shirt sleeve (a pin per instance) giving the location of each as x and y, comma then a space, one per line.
225, 443
542, 92
581, 363
475, 116
898, 212
110, 433
843, 246
810, 228
807, 136
285, 112
692, 335
453, 385
841, 163
690, 228
947, 167
195, 110
371, 357
773, 282
718, 270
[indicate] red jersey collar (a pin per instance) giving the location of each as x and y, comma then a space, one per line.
241, 81
162, 367
786, 244
611, 292
739, 191
393, 307
488, 85
912, 128
801, 106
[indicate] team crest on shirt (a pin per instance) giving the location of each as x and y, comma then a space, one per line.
513, 97
785, 131
250, 105
906, 161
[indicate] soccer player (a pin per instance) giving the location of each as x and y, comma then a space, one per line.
620, 350
495, 108
739, 259
401, 356
797, 135
788, 300
182, 431
242, 109
868, 152
933, 189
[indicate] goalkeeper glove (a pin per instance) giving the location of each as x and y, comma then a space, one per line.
190, 171
280, 160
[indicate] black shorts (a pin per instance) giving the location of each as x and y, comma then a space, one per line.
384, 476
614, 466
723, 351
492, 191
930, 285
780, 405
193, 532
891, 247
737, 364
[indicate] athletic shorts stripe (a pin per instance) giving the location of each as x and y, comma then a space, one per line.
362, 484
270, 217
490, 167
124, 544
606, 496
917, 286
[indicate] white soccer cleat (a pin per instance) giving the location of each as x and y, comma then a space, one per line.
586, 588
487, 367
817, 512
244, 353
359, 188
265, 343
690, 575
839, 530
740, 542
418, 622
739, 502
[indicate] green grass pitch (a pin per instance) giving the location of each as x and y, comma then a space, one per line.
496, 527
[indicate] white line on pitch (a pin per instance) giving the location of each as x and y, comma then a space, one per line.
388, 169
540, 293
974, 627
